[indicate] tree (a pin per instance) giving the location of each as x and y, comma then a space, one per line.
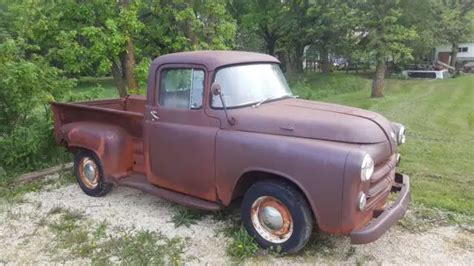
296, 38
420, 15
82, 38
184, 25
25, 85
102, 37
263, 17
385, 36
98, 37
333, 28
456, 23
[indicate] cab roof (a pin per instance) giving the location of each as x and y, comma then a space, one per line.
214, 59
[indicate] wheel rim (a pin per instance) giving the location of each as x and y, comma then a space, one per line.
89, 173
271, 219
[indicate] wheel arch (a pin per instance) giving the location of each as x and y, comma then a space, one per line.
111, 144
251, 176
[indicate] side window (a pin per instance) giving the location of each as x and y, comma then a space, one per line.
181, 88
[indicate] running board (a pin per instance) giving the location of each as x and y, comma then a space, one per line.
140, 182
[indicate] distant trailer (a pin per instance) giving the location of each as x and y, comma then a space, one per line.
426, 74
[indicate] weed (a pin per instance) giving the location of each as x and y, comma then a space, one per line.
12, 192
142, 248
101, 230
67, 222
185, 216
56, 210
13, 215
87, 240
242, 246
72, 215
350, 252
230, 214
320, 244
420, 218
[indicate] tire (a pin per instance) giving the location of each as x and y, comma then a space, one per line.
286, 235
92, 182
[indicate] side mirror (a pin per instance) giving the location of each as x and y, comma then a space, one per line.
216, 89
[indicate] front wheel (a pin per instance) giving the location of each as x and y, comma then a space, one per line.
277, 215
89, 174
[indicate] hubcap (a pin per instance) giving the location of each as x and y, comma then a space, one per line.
89, 173
271, 219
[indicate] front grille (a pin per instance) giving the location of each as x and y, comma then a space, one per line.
381, 181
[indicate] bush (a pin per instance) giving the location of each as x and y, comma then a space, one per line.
26, 88
30, 147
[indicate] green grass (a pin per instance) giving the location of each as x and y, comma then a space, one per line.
106, 87
12, 192
439, 153
96, 88
317, 86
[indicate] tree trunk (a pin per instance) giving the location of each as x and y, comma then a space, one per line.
379, 80
271, 47
128, 65
297, 60
118, 78
454, 54
325, 60
129, 68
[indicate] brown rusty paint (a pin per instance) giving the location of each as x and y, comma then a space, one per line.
197, 158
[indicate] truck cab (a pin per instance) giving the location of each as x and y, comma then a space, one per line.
220, 126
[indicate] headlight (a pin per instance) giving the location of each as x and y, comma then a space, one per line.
367, 168
399, 131
362, 201
401, 135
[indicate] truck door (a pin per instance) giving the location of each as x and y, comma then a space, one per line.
180, 137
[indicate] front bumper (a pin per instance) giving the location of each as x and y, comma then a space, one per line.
378, 226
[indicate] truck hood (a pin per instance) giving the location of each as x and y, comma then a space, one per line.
316, 120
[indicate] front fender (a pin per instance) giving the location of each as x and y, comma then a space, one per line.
112, 144
315, 166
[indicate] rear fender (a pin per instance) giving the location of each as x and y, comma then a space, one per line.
112, 144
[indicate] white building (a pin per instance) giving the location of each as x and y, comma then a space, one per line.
465, 53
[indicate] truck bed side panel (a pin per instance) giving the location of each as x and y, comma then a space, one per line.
108, 127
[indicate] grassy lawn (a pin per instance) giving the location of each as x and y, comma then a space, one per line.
102, 88
439, 116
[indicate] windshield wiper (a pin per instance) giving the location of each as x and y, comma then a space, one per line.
269, 99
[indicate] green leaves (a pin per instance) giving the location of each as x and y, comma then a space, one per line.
386, 34
26, 88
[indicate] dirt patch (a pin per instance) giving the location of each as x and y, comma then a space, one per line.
26, 235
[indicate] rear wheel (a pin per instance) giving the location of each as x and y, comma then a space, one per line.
277, 215
89, 174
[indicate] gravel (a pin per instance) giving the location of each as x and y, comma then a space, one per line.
23, 240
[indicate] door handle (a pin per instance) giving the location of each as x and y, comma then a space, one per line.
154, 115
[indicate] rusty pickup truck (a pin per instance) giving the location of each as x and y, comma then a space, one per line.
219, 126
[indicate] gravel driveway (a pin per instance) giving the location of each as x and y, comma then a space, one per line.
26, 238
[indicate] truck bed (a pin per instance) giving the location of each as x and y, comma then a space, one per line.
126, 113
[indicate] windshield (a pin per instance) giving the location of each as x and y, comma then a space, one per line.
250, 84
